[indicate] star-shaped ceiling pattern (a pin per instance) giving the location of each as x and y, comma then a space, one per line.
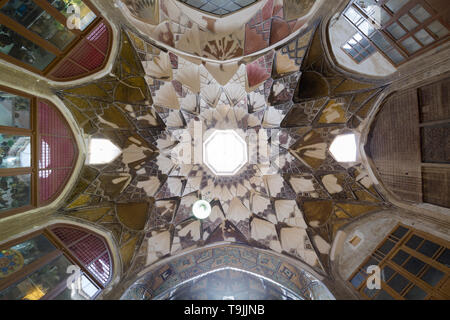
291, 94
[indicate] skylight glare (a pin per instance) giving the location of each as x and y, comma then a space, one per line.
343, 148
225, 152
102, 151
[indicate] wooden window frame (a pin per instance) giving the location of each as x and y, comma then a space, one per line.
400, 244
60, 250
396, 44
44, 44
33, 132
365, 49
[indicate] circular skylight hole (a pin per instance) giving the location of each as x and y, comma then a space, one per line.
201, 209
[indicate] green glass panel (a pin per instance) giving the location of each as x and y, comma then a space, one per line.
34, 18
39, 283
14, 111
15, 191
16, 46
15, 151
33, 249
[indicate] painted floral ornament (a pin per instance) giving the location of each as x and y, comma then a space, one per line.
10, 262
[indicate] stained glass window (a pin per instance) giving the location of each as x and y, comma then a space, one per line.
400, 29
47, 36
414, 266
19, 169
61, 263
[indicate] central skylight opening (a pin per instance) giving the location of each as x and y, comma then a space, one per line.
225, 152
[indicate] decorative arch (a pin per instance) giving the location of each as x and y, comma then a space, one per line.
410, 159
268, 265
38, 152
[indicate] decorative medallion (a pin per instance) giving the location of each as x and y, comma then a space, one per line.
10, 262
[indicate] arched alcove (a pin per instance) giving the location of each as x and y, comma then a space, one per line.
267, 267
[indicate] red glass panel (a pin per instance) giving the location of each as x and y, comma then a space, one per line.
89, 54
100, 38
90, 249
67, 69
57, 151
50, 122
68, 235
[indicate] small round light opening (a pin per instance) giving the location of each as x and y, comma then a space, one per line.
201, 209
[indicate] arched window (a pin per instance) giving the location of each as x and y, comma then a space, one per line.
49, 38
414, 265
61, 262
37, 152
401, 30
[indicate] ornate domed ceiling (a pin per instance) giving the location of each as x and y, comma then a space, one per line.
222, 143
292, 197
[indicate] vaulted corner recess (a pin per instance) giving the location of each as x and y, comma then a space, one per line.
39, 36
409, 143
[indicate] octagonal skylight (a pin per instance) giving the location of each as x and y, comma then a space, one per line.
343, 148
225, 152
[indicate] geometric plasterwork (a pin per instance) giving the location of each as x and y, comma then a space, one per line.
290, 196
